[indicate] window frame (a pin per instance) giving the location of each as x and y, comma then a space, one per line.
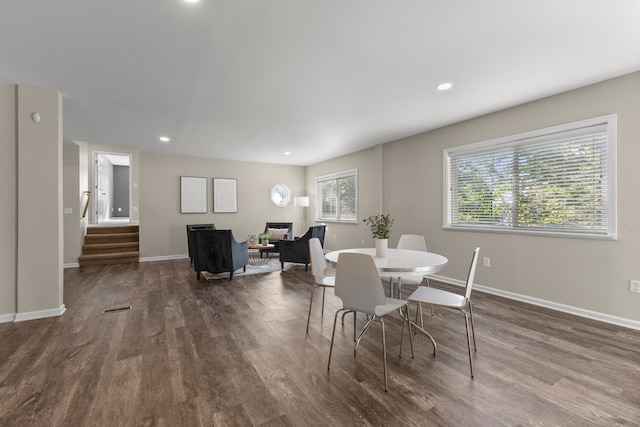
320, 217
529, 139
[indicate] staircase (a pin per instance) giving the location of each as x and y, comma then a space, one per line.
110, 245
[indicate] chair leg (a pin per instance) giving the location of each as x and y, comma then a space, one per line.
355, 314
324, 291
466, 324
406, 319
473, 331
310, 303
333, 334
409, 324
419, 311
364, 330
430, 305
344, 313
421, 329
384, 353
402, 333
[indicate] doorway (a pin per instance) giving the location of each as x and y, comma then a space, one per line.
112, 188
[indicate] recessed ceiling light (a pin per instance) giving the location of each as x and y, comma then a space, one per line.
445, 86
165, 139
287, 153
192, 1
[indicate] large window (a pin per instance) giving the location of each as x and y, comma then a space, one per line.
337, 197
558, 181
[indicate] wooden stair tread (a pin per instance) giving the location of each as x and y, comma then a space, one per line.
104, 259
111, 238
110, 248
108, 235
113, 229
110, 255
110, 245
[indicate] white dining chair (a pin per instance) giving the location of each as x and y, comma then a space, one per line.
359, 287
446, 299
318, 267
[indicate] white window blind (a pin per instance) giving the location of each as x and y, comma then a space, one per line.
557, 181
337, 197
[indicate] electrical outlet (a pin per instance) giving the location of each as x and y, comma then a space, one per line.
634, 286
486, 262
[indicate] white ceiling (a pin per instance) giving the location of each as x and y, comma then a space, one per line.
250, 79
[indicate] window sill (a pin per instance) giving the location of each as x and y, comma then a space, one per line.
542, 233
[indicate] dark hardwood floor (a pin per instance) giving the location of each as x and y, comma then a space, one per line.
220, 353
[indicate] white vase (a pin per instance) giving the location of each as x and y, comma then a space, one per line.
381, 247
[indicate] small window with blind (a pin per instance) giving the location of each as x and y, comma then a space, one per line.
556, 181
337, 197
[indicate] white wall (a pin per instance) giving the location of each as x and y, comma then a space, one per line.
8, 207
163, 227
590, 275
40, 223
77, 180
32, 223
73, 231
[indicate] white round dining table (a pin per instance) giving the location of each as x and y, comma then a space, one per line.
398, 262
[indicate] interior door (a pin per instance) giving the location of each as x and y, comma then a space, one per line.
101, 199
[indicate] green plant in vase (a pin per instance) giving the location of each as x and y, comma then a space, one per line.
264, 238
380, 225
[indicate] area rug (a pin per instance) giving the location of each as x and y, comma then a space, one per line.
271, 266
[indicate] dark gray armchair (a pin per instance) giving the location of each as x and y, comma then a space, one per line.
217, 251
298, 250
191, 241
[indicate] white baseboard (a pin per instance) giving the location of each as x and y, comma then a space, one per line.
602, 317
6, 318
40, 314
163, 258
146, 259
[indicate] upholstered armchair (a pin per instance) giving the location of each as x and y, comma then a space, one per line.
191, 241
298, 250
217, 251
278, 231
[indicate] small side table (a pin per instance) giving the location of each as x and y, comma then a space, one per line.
257, 257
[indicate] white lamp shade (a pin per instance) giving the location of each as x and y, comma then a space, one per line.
301, 201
